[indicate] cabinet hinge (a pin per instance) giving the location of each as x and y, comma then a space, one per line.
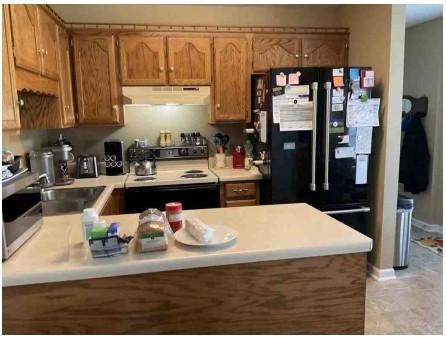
71, 42
346, 45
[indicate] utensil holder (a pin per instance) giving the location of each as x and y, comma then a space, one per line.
220, 160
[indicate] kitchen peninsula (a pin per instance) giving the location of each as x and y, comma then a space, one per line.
292, 269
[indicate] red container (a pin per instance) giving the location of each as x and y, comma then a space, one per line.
174, 214
238, 157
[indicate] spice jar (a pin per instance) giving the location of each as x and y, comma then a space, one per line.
174, 213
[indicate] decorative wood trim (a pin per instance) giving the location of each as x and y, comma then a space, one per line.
54, 15
206, 29
316, 295
31, 82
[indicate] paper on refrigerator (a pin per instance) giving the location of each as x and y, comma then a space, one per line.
296, 116
363, 114
286, 99
363, 144
361, 169
263, 126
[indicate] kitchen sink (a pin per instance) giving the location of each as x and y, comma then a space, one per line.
69, 201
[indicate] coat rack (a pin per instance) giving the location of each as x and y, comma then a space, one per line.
415, 107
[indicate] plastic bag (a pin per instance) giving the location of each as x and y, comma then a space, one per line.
153, 231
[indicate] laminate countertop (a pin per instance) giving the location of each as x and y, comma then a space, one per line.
232, 175
265, 233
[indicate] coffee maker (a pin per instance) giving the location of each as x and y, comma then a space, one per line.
62, 157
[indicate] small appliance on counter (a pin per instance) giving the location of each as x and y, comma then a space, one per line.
21, 210
62, 156
42, 162
87, 166
114, 157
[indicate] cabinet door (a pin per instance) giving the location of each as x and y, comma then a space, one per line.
189, 61
25, 34
273, 52
96, 80
324, 52
142, 60
230, 79
10, 109
48, 44
65, 84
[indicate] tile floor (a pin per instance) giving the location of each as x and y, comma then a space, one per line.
412, 303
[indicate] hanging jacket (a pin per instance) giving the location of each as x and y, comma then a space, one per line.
414, 158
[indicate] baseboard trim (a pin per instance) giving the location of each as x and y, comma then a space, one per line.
437, 228
380, 274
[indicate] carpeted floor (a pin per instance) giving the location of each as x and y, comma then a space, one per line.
412, 303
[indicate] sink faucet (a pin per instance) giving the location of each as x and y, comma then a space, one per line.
43, 181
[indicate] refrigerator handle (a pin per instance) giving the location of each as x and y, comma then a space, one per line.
327, 86
314, 86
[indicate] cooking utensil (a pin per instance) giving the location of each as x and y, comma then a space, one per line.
225, 141
145, 167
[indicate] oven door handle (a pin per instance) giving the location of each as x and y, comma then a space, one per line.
347, 211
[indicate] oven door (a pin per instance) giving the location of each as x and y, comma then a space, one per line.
192, 196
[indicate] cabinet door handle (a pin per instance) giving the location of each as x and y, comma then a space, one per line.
218, 106
297, 56
171, 69
306, 56
245, 189
236, 190
46, 52
161, 68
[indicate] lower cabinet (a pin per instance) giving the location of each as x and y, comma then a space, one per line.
239, 194
115, 204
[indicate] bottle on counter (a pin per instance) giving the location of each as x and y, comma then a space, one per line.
88, 218
174, 214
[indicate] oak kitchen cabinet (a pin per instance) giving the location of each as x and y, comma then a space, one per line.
99, 98
65, 81
271, 52
142, 60
324, 51
239, 194
189, 60
10, 109
230, 79
34, 35
150, 60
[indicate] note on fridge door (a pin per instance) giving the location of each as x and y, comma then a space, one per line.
363, 140
296, 116
361, 169
263, 126
286, 99
302, 90
363, 114
344, 152
281, 79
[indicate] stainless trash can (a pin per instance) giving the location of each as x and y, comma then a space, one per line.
402, 236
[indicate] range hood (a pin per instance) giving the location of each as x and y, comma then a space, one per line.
167, 95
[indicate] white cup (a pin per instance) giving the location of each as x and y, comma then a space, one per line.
220, 160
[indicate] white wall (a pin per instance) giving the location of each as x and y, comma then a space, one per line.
423, 76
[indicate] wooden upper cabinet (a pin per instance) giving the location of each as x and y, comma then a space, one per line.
189, 61
142, 60
98, 93
324, 52
231, 79
271, 52
10, 109
48, 44
65, 82
26, 37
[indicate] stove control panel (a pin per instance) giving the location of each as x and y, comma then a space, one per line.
160, 153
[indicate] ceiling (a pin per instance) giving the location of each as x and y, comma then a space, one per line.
416, 14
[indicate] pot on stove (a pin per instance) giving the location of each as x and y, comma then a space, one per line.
145, 167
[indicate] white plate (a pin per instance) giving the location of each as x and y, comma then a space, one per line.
222, 235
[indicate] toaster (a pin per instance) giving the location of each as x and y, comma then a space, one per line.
87, 166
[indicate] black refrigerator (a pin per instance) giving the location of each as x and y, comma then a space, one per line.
320, 165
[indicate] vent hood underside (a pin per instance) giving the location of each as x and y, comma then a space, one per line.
167, 95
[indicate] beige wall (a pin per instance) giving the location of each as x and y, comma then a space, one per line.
234, 15
377, 39
22, 141
147, 121
423, 76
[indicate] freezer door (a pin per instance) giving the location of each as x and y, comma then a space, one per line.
336, 175
291, 151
